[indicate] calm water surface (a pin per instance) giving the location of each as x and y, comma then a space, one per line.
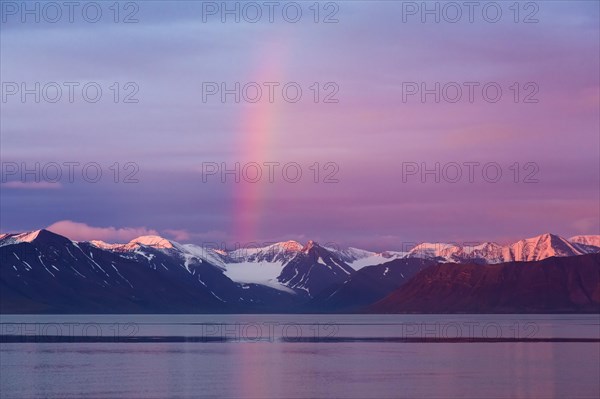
258, 357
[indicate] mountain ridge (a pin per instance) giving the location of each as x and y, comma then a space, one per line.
47, 272
576, 244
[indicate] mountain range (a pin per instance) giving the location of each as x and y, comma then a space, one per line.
43, 272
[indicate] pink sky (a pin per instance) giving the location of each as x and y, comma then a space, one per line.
369, 134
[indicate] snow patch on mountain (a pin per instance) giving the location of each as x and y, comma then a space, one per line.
358, 258
264, 273
152, 241
277, 252
593, 240
105, 245
195, 253
8, 239
376, 259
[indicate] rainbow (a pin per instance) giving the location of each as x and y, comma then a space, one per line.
257, 131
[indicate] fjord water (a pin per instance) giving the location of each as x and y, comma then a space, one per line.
260, 356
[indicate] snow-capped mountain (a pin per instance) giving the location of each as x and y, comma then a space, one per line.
359, 258
542, 247
485, 253
428, 250
46, 271
135, 244
266, 263
590, 240
43, 271
8, 239
526, 250
189, 253
280, 252
255, 265
313, 269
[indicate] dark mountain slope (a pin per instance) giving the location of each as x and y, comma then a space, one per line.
369, 285
553, 285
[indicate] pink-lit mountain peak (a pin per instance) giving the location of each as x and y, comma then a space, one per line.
152, 241
540, 247
147, 241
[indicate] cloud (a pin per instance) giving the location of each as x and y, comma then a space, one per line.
82, 232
